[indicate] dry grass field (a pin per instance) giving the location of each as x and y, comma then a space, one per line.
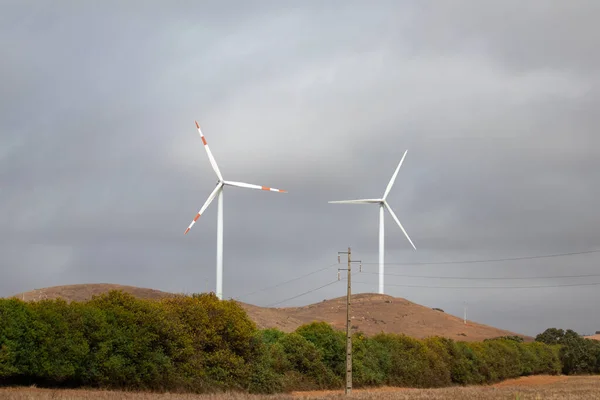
534, 388
371, 313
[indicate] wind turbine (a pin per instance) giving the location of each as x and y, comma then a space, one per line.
383, 204
218, 191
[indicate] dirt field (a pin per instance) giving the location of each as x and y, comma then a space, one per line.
371, 313
534, 388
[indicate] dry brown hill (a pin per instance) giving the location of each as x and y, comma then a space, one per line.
371, 313
85, 292
375, 313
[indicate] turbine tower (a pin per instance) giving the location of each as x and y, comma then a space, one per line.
382, 205
218, 191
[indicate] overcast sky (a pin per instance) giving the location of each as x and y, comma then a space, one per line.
102, 169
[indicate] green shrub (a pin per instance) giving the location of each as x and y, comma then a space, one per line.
331, 344
60, 347
577, 355
513, 338
305, 358
547, 358
135, 343
264, 379
291, 362
370, 359
16, 343
551, 336
448, 362
223, 342
497, 360
270, 336
411, 363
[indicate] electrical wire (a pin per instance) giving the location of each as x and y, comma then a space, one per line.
487, 260
487, 287
285, 282
302, 294
310, 291
446, 277
488, 278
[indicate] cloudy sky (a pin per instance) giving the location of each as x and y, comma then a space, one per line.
102, 168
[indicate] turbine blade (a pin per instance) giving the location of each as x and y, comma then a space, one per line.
361, 201
205, 206
399, 224
389, 186
212, 160
251, 186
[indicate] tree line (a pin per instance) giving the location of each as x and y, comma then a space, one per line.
201, 344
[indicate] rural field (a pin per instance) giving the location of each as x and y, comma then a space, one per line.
537, 387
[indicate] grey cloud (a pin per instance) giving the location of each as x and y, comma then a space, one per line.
538, 35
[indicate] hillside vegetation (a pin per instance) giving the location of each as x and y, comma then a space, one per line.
371, 313
201, 344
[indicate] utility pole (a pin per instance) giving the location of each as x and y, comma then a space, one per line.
465, 313
348, 388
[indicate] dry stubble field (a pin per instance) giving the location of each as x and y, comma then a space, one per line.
538, 387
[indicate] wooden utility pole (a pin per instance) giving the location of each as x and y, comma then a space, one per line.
348, 388
348, 328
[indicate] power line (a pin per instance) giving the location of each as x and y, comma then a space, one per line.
490, 278
285, 282
302, 294
309, 291
489, 287
491, 259
439, 277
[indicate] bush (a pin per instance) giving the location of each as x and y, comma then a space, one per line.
291, 362
546, 358
224, 346
16, 342
60, 349
411, 363
369, 360
330, 343
133, 343
513, 338
453, 360
577, 355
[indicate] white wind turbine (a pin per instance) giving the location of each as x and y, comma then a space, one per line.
382, 204
218, 191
